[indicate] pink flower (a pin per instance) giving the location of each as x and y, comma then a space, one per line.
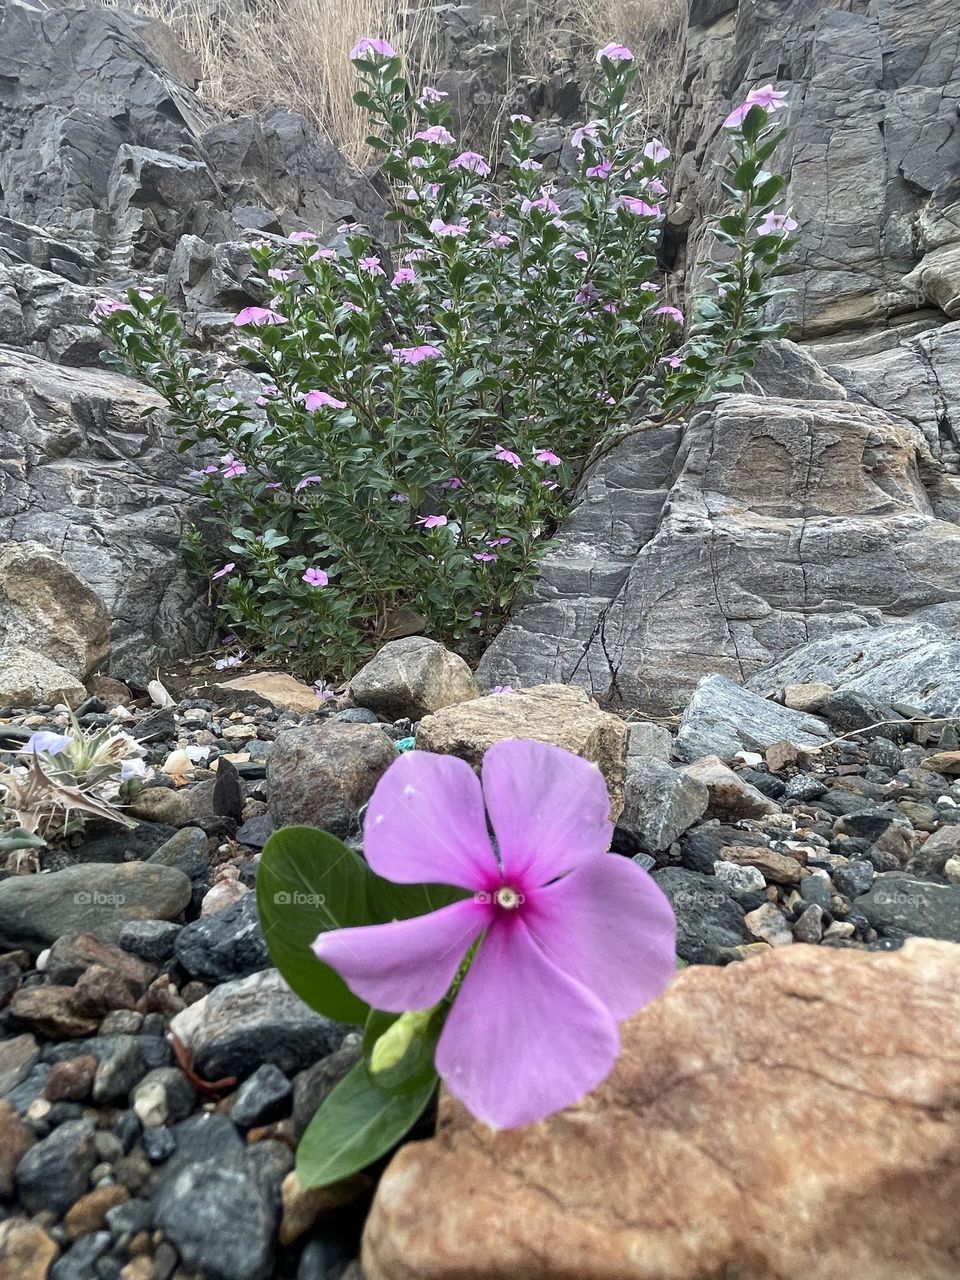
432, 522
614, 52
649, 286
518, 118
436, 133
672, 313
315, 400
588, 130
372, 266
258, 316
502, 688
441, 228
639, 208
572, 940
767, 97
672, 362
530, 166
399, 497
104, 307
277, 273
472, 162
548, 458
233, 467
315, 578
601, 170
431, 96
499, 542
777, 224
414, 355
498, 240
301, 237
404, 275
505, 455
227, 568
656, 151
302, 484
322, 254
544, 203
210, 470
485, 557
453, 483
656, 187
370, 45
582, 256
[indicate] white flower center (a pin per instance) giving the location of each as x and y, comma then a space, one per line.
508, 898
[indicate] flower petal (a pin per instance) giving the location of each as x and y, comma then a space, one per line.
408, 964
425, 822
609, 926
549, 809
522, 1039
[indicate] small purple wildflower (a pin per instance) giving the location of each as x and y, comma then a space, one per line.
372, 46
436, 133
472, 162
614, 52
315, 578
257, 316
314, 400
227, 568
414, 355
672, 313
548, 458
307, 480
432, 522
506, 455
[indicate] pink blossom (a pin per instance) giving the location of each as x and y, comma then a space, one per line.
436, 133
602, 170
257, 316
767, 97
656, 187
777, 224
307, 480
485, 557
649, 286
672, 313
498, 240
472, 162
301, 237
505, 455
518, 118
414, 355
432, 522
371, 45
277, 273
441, 228
227, 568
639, 208
372, 266
614, 52
550, 484
314, 400
399, 497
104, 307
499, 542
547, 457
530, 165
656, 151
560, 924
274, 484
611, 308
232, 467
315, 578
672, 362
404, 275
588, 130
210, 470
582, 256
501, 688
322, 254
431, 96
453, 483
544, 203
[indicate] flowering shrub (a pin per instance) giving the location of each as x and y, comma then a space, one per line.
417, 425
501, 969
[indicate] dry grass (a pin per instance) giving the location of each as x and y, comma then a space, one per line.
256, 54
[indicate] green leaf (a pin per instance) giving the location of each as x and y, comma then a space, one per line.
310, 882
357, 1124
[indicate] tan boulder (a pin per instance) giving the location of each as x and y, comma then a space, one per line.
26, 1251
729, 793
46, 607
556, 713
278, 688
28, 679
411, 678
797, 1116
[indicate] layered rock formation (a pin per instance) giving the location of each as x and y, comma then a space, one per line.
828, 499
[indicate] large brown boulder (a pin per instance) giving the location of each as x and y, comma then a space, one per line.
795, 1116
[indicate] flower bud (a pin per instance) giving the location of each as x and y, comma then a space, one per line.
392, 1046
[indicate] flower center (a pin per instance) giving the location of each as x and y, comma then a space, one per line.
508, 898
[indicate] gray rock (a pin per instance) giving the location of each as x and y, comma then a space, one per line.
900, 905
855, 878
187, 851
809, 925
228, 944
722, 718
96, 898
741, 881
79, 1262
709, 920
648, 739
315, 1083
660, 803
28, 679
245, 1023
55, 1173
121, 1064
321, 775
915, 664
152, 940
411, 678
164, 1096
264, 1096
219, 1218
46, 607
18, 1056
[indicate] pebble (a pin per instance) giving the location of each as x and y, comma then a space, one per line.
54, 1174
263, 1097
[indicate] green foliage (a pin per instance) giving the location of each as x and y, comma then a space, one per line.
410, 435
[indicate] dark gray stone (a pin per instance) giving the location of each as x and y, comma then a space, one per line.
55, 1173
709, 919
187, 851
660, 803
264, 1096
226, 945
152, 940
900, 905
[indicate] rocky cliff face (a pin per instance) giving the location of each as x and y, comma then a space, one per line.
828, 499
